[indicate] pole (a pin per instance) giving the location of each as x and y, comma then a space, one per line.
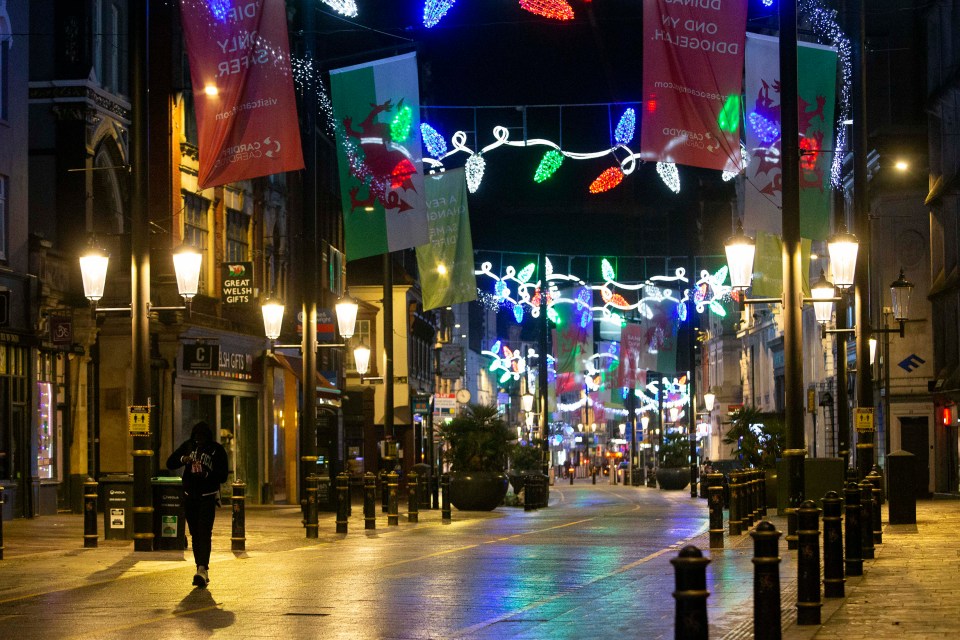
542, 363
140, 273
843, 399
861, 209
792, 283
388, 348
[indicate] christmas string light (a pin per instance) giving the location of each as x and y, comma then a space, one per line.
670, 175
553, 9
607, 180
435, 144
766, 130
623, 134
549, 164
474, 172
346, 8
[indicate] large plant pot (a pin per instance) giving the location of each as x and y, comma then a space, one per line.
673, 479
477, 490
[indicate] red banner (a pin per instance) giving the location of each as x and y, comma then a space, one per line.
242, 89
692, 81
632, 347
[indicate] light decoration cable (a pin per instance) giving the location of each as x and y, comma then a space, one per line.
435, 144
474, 171
434, 10
552, 9
549, 164
346, 8
670, 175
607, 180
627, 126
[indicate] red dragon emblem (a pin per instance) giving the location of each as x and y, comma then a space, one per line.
384, 167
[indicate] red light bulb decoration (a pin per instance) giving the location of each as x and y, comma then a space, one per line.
553, 9
809, 151
607, 180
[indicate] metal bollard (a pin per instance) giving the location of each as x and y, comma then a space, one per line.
832, 546
369, 501
808, 564
2, 499
715, 505
90, 535
413, 499
384, 492
766, 581
393, 519
690, 568
571, 473
311, 524
343, 501
445, 504
876, 480
854, 541
757, 484
734, 521
763, 494
593, 474
238, 529
866, 519
746, 500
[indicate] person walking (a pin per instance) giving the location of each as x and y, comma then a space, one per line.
205, 469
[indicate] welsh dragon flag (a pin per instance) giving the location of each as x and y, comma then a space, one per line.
377, 113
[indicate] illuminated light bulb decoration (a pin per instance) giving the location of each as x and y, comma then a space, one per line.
607, 180
474, 171
553, 9
809, 151
766, 130
401, 124
549, 164
526, 273
435, 144
727, 176
518, 313
627, 126
729, 118
434, 10
670, 175
346, 8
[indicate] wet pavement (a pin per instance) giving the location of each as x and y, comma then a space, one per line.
596, 563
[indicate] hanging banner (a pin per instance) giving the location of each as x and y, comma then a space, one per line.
692, 81
242, 89
768, 266
816, 80
632, 346
377, 111
574, 329
446, 263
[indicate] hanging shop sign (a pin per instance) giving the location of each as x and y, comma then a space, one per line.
201, 357
237, 280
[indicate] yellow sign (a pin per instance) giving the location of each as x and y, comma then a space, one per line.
139, 420
811, 400
864, 419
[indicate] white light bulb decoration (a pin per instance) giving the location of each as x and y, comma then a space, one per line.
670, 175
434, 10
474, 170
346, 8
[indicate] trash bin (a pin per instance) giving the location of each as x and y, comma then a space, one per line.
169, 520
901, 488
117, 500
326, 501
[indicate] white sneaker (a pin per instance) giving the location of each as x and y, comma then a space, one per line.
201, 579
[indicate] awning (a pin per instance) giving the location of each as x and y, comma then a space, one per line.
294, 365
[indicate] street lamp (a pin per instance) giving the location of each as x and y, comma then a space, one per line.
361, 358
527, 400
741, 250
346, 317
272, 318
822, 292
709, 398
93, 272
843, 248
900, 291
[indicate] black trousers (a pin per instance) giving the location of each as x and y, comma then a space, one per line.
200, 512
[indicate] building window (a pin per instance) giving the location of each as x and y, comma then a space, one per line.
196, 227
106, 44
238, 243
4, 190
361, 333
335, 275
4, 72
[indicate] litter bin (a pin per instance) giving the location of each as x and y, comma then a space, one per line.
169, 520
117, 503
901, 488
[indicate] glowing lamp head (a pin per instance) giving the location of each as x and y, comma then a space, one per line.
902, 165
709, 399
346, 310
442, 269
644, 421
211, 90
93, 271
822, 289
361, 358
900, 290
741, 250
186, 262
272, 318
527, 400
872, 343
843, 248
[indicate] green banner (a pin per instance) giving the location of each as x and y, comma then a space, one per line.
446, 264
768, 266
816, 81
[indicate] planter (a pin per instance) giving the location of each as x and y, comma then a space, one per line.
477, 490
673, 478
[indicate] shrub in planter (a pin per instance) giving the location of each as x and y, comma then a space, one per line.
674, 471
478, 444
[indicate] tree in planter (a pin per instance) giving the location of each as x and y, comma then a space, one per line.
674, 471
526, 457
478, 446
758, 437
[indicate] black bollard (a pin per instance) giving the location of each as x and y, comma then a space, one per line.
369, 501
876, 480
746, 500
763, 494
690, 568
445, 504
238, 527
393, 518
854, 542
593, 475
866, 519
2, 499
734, 521
343, 502
310, 523
832, 546
90, 535
413, 499
766, 581
384, 492
571, 474
808, 564
715, 505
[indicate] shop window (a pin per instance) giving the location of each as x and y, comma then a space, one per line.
238, 242
196, 228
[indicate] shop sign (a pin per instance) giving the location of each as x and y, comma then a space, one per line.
61, 331
201, 357
237, 283
326, 325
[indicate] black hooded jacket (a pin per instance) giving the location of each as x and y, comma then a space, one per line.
205, 477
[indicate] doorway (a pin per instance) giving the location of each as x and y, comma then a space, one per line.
915, 438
